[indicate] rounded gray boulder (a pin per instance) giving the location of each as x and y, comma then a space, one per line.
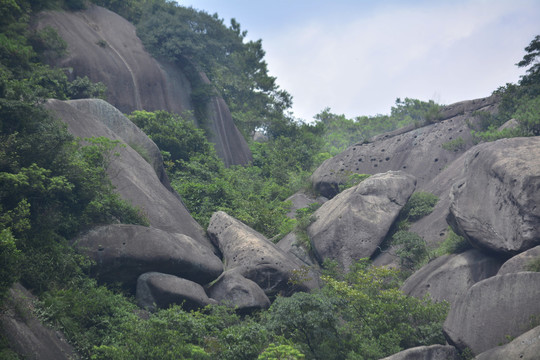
156, 290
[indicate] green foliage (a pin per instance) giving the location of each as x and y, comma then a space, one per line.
455, 145
9, 258
419, 205
281, 352
528, 116
352, 180
411, 249
533, 265
453, 244
304, 218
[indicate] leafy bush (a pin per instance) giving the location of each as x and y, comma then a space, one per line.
455, 145
411, 249
453, 244
419, 205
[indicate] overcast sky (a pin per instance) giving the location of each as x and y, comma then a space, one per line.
358, 56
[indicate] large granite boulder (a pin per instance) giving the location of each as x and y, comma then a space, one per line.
492, 310
254, 256
417, 151
448, 277
123, 252
524, 347
233, 289
159, 291
134, 179
128, 131
433, 352
496, 204
104, 46
353, 224
24, 332
520, 262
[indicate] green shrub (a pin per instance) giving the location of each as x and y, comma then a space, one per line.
452, 244
455, 145
352, 180
419, 205
411, 249
533, 265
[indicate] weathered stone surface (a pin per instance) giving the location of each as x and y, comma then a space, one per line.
104, 46
123, 252
524, 347
254, 256
128, 131
302, 200
448, 277
433, 352
156, 290
353, 224
520, 262
492, 310
232, 289
496, 204
418, 151
24, 332
134, 179
290, 245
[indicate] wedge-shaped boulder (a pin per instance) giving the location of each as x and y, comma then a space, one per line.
524, 347
433, 352
254, 256
123, 252
493, 310
496, 205
520, 262
448, 277
156, 290
354, 223
134, 179
232, 289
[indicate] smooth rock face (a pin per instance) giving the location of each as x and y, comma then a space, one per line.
417, 151
232, 289
156, 290
520, 262
24, 332
301, 200
254, 256
354, 223
492, 310
134, 179
123, 252
433, 352
128, 131
104, 46
496, 205
524, 347
448, 277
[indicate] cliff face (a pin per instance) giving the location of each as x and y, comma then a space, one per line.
105, 47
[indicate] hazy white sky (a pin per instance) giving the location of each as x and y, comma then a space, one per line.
358, 56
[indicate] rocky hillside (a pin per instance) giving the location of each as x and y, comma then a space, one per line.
104, 47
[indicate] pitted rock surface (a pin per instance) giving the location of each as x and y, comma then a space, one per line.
254, 256
492, 310
418, 151
496, 204
524, 347
354, 223
123, 252
159, 291
448, 277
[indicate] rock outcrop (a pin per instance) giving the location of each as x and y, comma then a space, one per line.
520, 262
448, 277
25, 334
496, 205
493, 310
156, 290
254, 256
417, 151
524, 347
104, 46
353, 224
433, 352
233, 289
134, 179
124, 252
